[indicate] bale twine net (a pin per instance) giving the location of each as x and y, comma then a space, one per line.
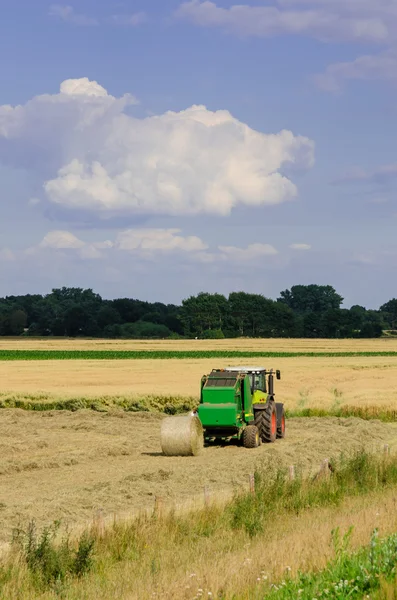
182, 436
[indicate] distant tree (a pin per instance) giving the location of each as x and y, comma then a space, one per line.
311, 298
389, 312
17, 322
202, 312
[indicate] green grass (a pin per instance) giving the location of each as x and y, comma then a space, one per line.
354, 575
12, 355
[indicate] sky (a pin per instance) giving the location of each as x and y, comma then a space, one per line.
158, 148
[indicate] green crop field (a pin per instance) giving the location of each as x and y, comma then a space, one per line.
12, 355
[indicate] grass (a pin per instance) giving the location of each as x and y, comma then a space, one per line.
354, 576
368, 413
156, 556
169, 405
17, 355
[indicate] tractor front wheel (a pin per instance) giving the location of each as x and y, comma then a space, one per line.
251, 438
266, 421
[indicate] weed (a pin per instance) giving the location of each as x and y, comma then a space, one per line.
50, 562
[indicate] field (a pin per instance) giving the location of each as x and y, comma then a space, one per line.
306, 382
68, 465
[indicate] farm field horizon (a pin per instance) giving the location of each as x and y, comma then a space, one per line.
384, 344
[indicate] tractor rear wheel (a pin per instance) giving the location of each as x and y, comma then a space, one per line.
266, 421
251, 438
281, 425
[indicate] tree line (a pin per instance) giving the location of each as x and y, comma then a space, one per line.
304, 311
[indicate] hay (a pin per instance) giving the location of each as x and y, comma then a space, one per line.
182, 436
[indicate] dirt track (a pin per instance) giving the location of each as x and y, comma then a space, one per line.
68, 465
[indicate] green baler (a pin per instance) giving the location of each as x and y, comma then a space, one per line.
235, 403
238, 402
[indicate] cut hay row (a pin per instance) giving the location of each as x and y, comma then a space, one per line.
23, 355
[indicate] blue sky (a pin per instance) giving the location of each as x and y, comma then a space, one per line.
157, 149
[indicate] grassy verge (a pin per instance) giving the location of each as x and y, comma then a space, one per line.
13, 355
156, 556
356, 575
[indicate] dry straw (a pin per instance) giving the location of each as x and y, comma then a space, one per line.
182, 436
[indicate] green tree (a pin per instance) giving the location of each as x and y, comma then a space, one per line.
311, 298
389, 313
203, 312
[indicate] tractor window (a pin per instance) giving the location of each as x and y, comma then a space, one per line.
259, 381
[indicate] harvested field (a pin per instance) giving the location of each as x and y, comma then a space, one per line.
62, 465
305, 382
256, 345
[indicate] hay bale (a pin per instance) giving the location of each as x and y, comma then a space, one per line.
182, 436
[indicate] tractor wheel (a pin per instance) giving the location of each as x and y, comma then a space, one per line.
266, 421
251, 437
281, 424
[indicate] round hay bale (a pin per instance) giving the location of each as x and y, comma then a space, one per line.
182, 436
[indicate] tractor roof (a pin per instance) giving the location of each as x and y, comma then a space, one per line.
246, 369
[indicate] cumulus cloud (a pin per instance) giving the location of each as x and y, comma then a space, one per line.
300, 247
92, 156
326, 21
61, 240
68, 14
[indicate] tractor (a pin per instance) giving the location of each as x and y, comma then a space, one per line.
236, 403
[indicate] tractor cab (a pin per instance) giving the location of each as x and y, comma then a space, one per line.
257, 376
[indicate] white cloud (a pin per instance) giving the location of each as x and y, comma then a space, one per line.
326, 21
369, 67
82, 87
252, 252
94, 157
157, 240
151, 244
300, 246
61, 240
145, 243
68, 14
